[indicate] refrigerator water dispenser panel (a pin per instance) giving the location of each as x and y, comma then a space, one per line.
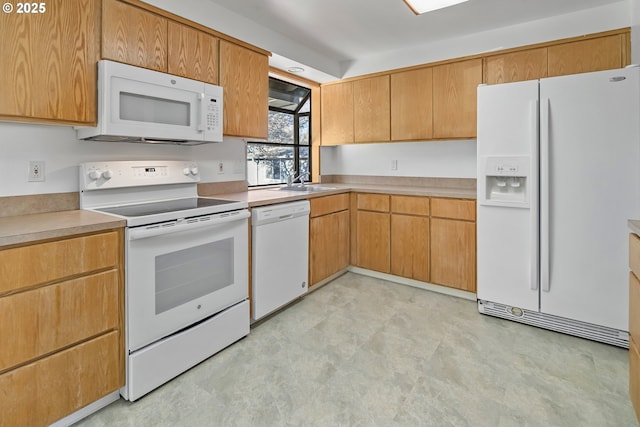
505, 181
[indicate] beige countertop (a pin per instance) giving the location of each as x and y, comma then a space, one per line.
41, 226
268, 196
634, 225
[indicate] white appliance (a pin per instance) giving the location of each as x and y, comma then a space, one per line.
280, 255
558, 178
140, 105
186, 266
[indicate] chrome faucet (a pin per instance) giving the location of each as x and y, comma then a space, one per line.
291, 179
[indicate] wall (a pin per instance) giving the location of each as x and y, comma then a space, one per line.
62, 152
442, 159
634, 13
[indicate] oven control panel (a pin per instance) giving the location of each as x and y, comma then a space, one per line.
118, 174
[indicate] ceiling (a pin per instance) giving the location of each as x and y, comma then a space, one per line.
348, 30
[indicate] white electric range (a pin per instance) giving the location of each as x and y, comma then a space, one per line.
186, 265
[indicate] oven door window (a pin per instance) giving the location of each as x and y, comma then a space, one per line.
189, 274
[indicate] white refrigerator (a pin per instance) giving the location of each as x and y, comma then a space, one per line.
558, 178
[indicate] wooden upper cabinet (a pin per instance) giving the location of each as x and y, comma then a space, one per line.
192, 53
412, 105
371, 109
516, 66
454, 98
598, 54
337, 113
134, 36
48, 63
244, 75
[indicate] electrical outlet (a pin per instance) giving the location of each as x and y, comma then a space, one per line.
220, 167
36, 171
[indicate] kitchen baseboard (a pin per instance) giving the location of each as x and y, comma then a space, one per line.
415, 283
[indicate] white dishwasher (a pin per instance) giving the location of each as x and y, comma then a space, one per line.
279, 255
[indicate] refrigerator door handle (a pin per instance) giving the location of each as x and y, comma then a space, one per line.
534, 194
544, 194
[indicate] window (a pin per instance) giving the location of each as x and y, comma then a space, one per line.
288, 148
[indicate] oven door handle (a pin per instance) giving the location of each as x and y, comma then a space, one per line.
186, 224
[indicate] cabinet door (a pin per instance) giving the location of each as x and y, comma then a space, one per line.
453, 253
328, 245
371, 110
412, 105
528, 64
133, 36
48, 62
46, 319
337, 113
244, 75
454, 98
192, 53
42, 392
603, 53
373, 244
410, 246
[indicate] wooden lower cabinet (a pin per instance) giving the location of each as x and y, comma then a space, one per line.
328, 245
410, 246
61, 323
47, 390
329, 239
373, 241
453, 253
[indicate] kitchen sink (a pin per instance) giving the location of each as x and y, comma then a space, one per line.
305, 188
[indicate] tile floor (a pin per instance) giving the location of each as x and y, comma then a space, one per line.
365, 352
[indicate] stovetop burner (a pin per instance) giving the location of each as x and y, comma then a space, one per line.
154, 208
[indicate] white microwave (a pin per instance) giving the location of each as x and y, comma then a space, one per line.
140, 105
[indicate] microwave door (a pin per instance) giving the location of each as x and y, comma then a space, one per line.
154, 110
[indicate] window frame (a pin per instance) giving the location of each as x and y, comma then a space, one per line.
296, 135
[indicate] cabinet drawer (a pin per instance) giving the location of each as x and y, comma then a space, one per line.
410, 205
634, 376
634, 307
634, 254
46, 262
43, 320
51, 388
329, 204
453, 208
373, 202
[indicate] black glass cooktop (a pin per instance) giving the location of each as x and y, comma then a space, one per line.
154, 208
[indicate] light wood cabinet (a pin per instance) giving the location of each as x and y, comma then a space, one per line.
373, 228
517, 66
192, 53
453, 243
244, 75
410, 237
48, 68
596, 54
134, 36
455, 98
61, 323
336, 109
371, 109
328, 236
412, 105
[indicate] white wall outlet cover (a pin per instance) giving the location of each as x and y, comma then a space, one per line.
36, 171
